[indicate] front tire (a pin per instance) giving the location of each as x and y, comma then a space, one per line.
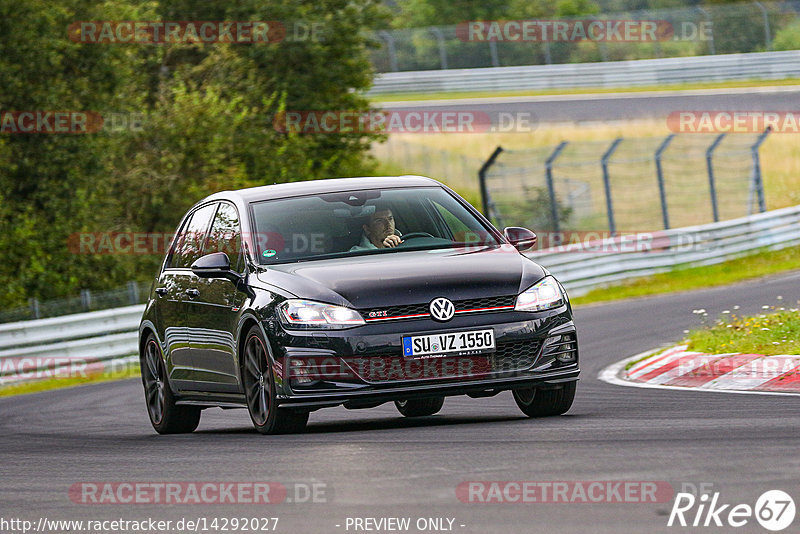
260, 391
165, 416
419, 407
537, 402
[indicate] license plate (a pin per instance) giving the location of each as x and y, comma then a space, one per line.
454, 343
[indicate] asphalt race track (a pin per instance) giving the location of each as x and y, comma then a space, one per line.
618, 106
376, 464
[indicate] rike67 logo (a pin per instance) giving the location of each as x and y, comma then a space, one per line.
774, 510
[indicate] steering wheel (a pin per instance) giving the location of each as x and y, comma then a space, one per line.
413, 235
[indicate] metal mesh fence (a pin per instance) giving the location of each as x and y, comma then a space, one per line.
132, 293
617, 187
691, 31
403, 157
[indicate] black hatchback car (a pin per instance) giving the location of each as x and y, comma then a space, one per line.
289, 298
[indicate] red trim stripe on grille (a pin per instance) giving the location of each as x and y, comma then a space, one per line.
428, 315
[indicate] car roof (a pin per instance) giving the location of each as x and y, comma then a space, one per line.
312, 187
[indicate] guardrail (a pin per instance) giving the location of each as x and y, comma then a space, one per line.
666, 71
111, 335
581, 267
84, 341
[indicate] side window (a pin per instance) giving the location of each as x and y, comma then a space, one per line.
226, 236
189, 244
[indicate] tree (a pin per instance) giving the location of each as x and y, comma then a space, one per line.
206, 125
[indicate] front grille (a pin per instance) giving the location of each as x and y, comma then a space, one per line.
395, 312
489, 302
420, 311
514, 356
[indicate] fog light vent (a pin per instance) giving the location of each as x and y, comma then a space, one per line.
563, 347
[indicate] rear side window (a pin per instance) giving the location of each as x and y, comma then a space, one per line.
189, 243
226, 236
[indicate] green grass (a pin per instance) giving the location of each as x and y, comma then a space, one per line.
57, 383
688, 278
774, 332
630, 364
399, 97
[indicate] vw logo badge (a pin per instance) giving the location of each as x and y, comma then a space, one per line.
442, 309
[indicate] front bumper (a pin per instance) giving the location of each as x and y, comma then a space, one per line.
364, 366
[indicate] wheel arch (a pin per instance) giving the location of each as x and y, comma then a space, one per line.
247, 322
145, 330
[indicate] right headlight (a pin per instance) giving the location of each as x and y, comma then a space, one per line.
543, 295
297, 313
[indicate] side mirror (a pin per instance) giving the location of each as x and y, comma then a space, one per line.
214, 265
521, 238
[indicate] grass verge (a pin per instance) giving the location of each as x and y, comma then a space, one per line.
401, 97
687, 278
775, 332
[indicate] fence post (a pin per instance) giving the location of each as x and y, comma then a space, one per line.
710, 166
711, 48
34, 304
600, 44
133, 292
386, 36
767, 33
493, 52
548, 58
551, 189
660, 175
86, 299
612, 226
757, 180
440, 41
482, 180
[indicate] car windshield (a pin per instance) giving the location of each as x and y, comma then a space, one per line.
357, 223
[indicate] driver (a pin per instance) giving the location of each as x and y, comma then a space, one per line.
379, 231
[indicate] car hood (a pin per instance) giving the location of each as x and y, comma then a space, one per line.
408, 277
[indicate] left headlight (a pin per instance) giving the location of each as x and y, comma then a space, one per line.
296, 313
543, 295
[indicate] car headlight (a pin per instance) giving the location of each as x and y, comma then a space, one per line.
543, 295
296, 313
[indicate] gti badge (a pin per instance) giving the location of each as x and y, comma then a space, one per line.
442, 309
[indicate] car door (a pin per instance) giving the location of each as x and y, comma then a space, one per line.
214, 312
170, 317
178, 281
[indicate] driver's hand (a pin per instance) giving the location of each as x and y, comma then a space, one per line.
392, 241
